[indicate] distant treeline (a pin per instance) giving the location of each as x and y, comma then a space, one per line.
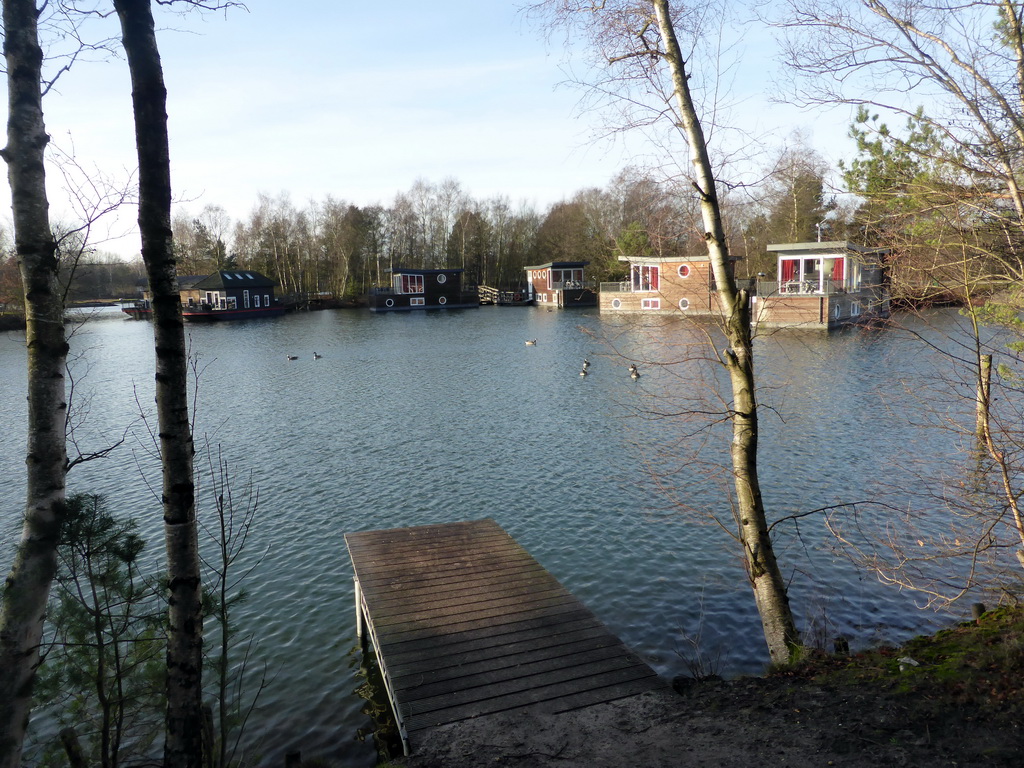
336, 248
342, 249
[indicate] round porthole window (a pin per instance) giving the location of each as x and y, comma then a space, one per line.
389, 303
684, 270
616, 303
684, 304
442, 278
442, 300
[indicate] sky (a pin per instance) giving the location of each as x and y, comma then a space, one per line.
358, 100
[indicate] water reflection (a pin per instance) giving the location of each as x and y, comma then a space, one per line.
382, 729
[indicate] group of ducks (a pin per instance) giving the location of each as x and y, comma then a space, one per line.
634, 372
316, 356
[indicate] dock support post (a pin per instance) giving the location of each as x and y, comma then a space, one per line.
360, 621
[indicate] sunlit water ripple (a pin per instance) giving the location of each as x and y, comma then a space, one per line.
421, 418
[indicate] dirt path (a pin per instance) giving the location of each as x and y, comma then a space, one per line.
772, 722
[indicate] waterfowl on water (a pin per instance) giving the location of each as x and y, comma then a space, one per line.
634, 372
292, 357
586, 364
531, 342
583, 372
316, 356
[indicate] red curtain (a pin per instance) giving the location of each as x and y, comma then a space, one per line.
654, 278
788, 270
837, 269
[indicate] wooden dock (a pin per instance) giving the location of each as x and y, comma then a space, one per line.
466, 623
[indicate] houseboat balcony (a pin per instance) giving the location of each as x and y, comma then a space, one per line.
623, 287
571, 285
470, 290
799, 287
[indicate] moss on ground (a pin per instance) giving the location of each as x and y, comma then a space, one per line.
978, 664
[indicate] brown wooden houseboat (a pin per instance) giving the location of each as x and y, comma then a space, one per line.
822, 285
560, 284
669, 285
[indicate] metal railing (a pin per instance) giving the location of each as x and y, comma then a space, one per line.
568, 285
799, 288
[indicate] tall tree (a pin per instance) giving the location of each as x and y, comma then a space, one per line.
27, 586
965, 60
183, 745
637, 41
955, 176
793, 206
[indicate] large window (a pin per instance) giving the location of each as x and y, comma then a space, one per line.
411, 284
567, 278
645, 277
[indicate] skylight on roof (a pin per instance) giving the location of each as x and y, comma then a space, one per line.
239, 276
227, 275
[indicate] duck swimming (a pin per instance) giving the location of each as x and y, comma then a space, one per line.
531, 342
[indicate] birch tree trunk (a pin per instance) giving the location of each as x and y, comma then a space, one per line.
27, 587
183, 747
762, 568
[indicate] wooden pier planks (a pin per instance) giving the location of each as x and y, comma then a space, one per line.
467, 623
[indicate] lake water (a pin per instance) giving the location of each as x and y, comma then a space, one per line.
422, 418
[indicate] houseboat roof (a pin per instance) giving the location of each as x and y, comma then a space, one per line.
411, 271
234, 278
829, 246
559, 265
187, 281
664, 259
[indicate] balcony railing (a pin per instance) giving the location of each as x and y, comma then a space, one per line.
568, 285
799, 287
622, 287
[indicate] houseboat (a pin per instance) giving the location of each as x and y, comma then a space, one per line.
139, 309
142, 309
822, 285
423, 289
560, 284
667, 285
230, 294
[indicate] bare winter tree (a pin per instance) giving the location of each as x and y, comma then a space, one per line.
27, 586
954, 177
637, 41
963, 61
183, 747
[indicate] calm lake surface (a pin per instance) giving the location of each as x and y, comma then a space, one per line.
420, 418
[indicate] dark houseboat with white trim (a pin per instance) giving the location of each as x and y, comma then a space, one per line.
230, 294
423, 289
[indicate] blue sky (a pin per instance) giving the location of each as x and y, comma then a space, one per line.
358, 100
